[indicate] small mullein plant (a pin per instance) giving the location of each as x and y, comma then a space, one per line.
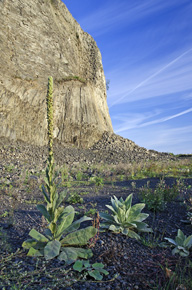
182, 244
62, 237
125, 219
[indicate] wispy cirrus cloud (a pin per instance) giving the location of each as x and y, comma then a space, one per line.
115, 14
139, 120
163, 138
172, 77
146, 48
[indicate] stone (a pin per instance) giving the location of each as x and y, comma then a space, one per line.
38, 39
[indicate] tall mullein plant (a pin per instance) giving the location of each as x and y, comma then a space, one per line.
52, 196
62, 235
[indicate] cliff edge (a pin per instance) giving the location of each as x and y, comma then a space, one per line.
39, 38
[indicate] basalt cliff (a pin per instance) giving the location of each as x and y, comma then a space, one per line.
38, 39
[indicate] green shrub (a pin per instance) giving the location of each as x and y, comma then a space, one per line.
154, 199
96, 270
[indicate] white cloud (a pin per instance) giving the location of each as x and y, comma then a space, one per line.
173, 76
163, 139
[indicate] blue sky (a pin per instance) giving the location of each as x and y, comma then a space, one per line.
146, 48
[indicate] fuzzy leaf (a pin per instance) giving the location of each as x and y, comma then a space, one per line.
80, 237
106, 217
133, 235
47, 199
84, 253
175, 251
69, 254
75, 225
78, 266
53, 227
143, 227
29, 243
61, 198
179, 241
37, 236
171, 241
135, 211
58, 214
111, 208
52, 249
115, 229
48, 233
103, 271
35, 253
188, 242
66, 220
128, 201
98, 266
96, 275
44, 212
181, 235
114, 205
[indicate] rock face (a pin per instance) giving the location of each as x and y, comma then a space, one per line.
39, 38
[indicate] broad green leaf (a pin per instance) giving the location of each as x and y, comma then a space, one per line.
135, 211
46, 179
96, 275
58, 213
62, 196
183, 254
48, 233
106, 216
143, 227
66, 220
98, 265
29, 243
75, 225
52, 228
114, 205
128, 201
141, 217
127, 213
181, 235
171, 241
130, 225
175, 251
104, 226
47, 199
179, 240
111, 208
125, 231
80, 237
68, 255
181, 248
114, 228
103, 271
55, 198
78, 266
84, 253
188, 242
34, 253
133, 235
44, 212
37, 236
117, 220
76, 253
52, 249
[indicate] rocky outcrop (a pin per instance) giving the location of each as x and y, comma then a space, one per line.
39, 38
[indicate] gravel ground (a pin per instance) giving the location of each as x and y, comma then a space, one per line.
135, 264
